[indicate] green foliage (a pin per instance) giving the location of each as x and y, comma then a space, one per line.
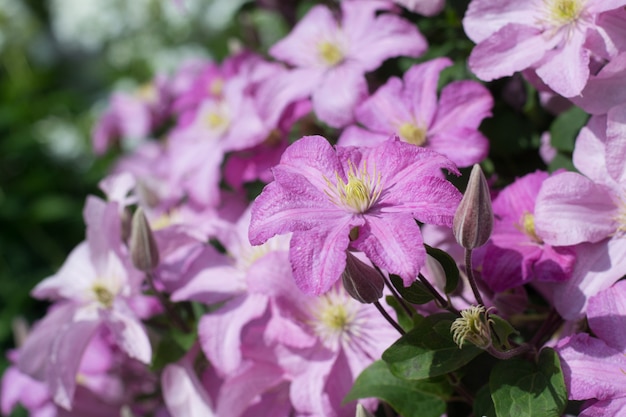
428, 350
416, 293
449, 266
426, 398
523, 389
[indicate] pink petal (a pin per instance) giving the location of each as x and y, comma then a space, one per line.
220, 331
606, 312
598, 266
339, 92
373, 39
356, 136
464, 146
130, 335
297, 48
591, 368
571, 209
420, 89
485, 17
318, 256
590, 151
567, 71
615, 143
386, 109
394, 243
614, 407
462, 103
183, 392
512, 48
239, 392
604, 91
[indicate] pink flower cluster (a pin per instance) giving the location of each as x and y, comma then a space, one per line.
275, 331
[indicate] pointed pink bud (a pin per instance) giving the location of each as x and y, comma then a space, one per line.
361, 281
143, 249
473, 220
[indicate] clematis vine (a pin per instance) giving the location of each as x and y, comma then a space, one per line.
348, 198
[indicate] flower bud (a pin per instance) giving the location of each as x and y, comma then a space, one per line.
473, 220
362, 412
143, 249
361, 281
473, 326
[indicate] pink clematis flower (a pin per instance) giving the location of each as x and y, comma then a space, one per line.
363, 199
588, 211
593, 366
516, 253
555, 37
330, 57
410, 108
96, 289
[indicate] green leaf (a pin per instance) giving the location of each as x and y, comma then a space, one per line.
483, 405
428, 350
565, 128
449, 267
408, 398
524, 389
503, 330
561, 161
416, 293
404, 320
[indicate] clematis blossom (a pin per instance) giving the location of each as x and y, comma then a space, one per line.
516, 253
556, 38
410, 108
96, 290
348, 198
587, 210
331, 56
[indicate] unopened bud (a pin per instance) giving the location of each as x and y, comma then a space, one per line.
361, 281
362, 412
474, 326
143, 249
473, 220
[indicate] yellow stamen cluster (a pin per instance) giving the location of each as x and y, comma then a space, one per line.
330, 53
412, 134
527, 225
473, 326
563, 12
334, 318
215, 120
103, 295
359, 193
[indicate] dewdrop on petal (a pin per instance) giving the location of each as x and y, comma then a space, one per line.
473, 326
361, 281
143, 249
473, 220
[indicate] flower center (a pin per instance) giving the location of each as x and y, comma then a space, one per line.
412, 134
359, 193
103, 295
330, 53
215, 120
563, 12
528, 227
334, 318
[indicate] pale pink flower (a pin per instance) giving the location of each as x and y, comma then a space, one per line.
556, 38
330, 56
411, 109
